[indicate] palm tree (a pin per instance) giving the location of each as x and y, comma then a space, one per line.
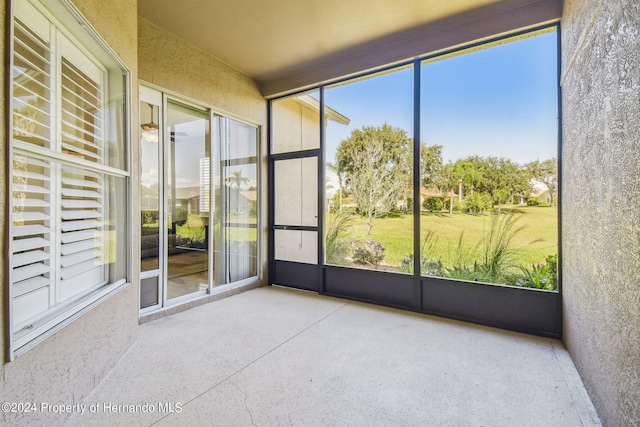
237, 180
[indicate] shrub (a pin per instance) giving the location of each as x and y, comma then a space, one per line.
533, 201
149, 216
458, 206
337, 244
496, 250
478, 202
552, 262
433, 204
428, 267
370, 252
540, 276
499, 253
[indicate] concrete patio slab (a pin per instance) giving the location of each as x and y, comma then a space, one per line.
279, 357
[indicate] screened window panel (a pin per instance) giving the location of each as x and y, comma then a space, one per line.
296, 246
296, 123
296, 192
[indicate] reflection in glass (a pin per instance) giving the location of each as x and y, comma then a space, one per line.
369, 188
489, 193
188, 160
149, 191
238, 186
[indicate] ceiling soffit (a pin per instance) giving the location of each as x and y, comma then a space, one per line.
288, 45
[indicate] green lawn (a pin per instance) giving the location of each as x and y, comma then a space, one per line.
537, 239
193, 228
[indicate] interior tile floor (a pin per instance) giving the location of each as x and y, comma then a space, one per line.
279, 357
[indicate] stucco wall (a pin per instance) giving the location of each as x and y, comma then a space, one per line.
66, 366
601, 201
172, 64
3, 195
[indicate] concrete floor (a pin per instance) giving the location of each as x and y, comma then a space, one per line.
278, 357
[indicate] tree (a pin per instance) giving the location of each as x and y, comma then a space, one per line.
395, 157
503, 179
545, 172
447, 181
373, 182
500, 196
430, 164
237, 180
468, 173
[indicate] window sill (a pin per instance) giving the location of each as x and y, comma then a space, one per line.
27, 339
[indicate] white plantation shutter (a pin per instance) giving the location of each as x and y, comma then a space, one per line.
59, 211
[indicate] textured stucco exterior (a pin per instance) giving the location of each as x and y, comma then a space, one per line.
171, 63
67, 365
601, 201
174, 65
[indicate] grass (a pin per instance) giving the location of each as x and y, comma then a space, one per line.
537, 239
193, 229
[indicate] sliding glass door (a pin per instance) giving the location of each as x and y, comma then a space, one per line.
199, 201
188, 189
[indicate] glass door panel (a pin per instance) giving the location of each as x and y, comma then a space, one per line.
239, 180
188, 195
150, 218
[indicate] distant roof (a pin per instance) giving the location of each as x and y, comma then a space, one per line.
329, 112
250, 195
187, 193
434, 192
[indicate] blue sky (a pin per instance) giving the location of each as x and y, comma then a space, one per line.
500, 101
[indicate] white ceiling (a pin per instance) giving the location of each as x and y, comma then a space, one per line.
283, 44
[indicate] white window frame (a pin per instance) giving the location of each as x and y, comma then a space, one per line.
63, 25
